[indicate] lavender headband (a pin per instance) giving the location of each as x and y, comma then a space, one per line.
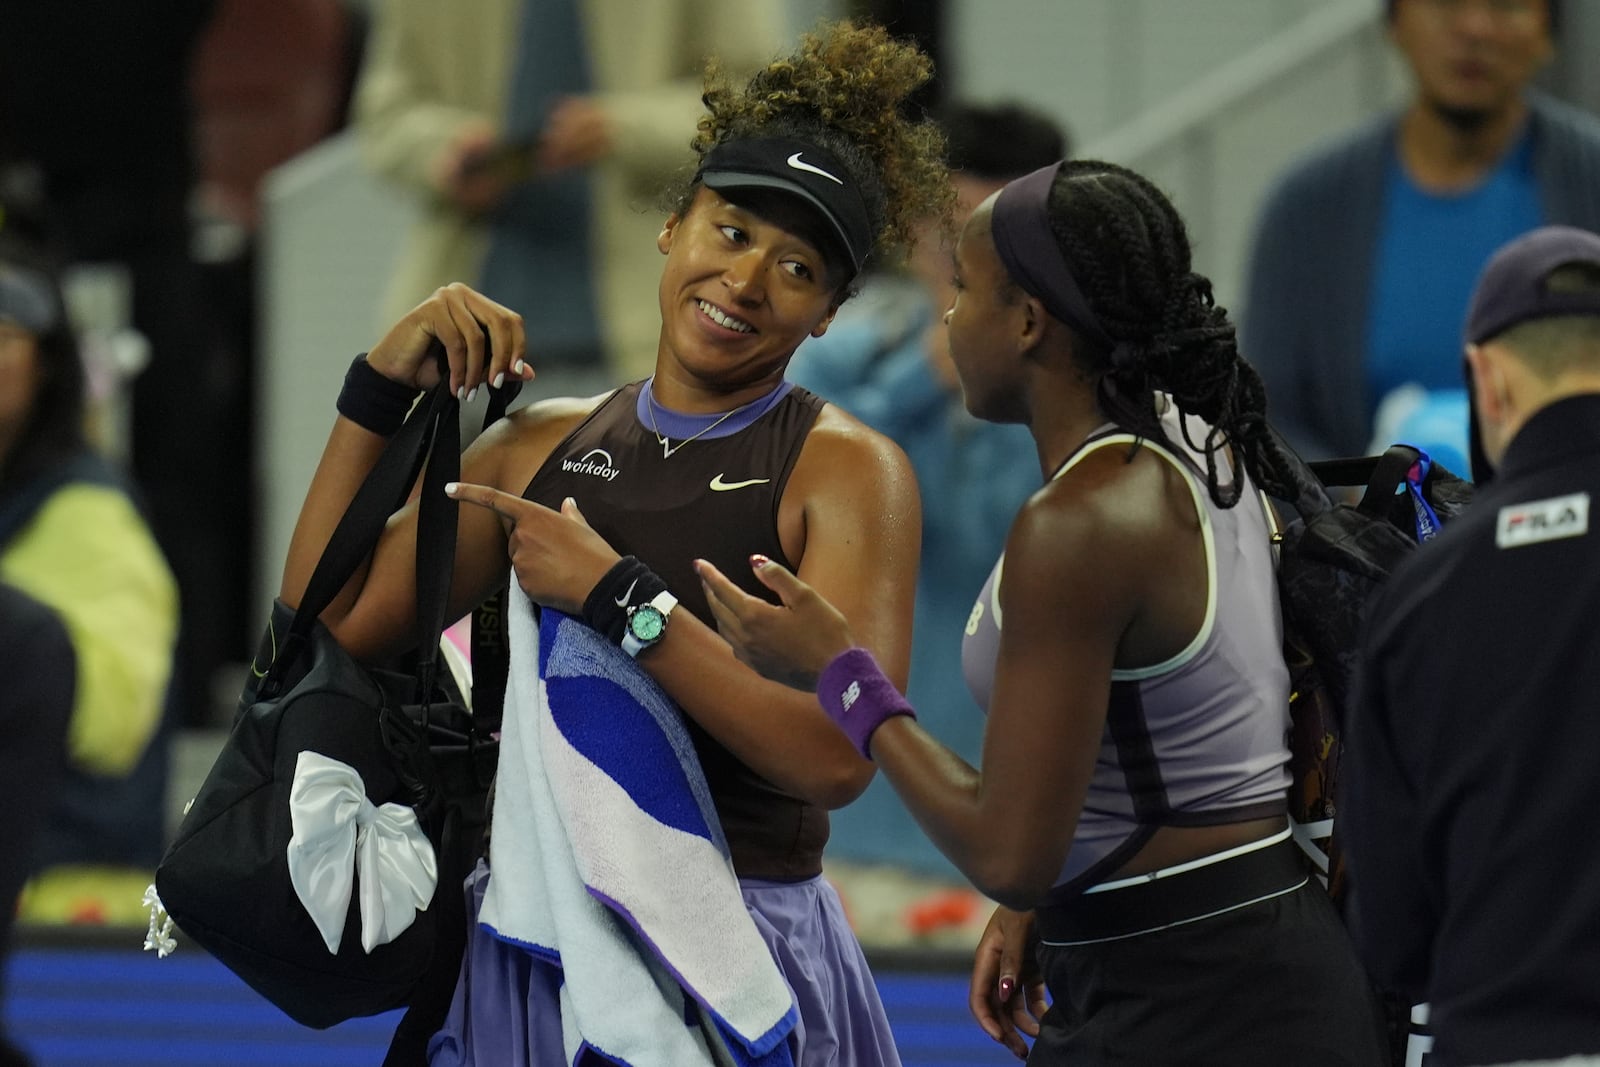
1027, 247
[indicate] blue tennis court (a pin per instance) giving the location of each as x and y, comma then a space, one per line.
92, 1006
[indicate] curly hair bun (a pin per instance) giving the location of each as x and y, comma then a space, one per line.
845, 89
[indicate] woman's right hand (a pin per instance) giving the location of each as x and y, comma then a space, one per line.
483, 342
1007, 992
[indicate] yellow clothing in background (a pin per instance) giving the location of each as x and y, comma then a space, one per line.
88, 555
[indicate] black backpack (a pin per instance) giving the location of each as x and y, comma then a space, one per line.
1332, 556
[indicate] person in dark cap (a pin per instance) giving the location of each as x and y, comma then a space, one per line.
1467, 780
1366, 250
808, 173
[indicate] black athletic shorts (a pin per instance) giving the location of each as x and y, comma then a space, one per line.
1236, 964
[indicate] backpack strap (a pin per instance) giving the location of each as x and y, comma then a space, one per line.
1382, 475
1349, 471
1399, 473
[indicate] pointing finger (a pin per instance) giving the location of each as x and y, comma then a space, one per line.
501, 503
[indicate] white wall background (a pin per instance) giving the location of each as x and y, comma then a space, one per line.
1095, 64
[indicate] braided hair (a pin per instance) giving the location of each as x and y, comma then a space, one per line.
1129, 252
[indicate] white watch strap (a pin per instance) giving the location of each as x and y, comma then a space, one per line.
663, 602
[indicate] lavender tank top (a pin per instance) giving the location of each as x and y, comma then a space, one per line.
1198, 740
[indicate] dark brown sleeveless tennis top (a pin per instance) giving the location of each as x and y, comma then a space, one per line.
715, 498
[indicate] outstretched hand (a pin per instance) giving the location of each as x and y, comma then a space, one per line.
791, 643
557, 556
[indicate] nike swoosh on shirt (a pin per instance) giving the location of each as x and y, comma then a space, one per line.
799, 164
720, 486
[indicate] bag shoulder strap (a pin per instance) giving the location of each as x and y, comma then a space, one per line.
431, 435
380, 495
491, 656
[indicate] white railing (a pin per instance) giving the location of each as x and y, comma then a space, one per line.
1216, 146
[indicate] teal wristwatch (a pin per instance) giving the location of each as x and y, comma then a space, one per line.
647, 623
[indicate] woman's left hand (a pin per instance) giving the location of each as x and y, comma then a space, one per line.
789, 644
557, 556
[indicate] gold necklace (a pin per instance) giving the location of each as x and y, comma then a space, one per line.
667, 447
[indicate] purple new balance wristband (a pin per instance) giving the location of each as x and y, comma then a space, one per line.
858, 698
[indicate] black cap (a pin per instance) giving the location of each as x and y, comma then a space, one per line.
802, 169
1512, 289
27, 300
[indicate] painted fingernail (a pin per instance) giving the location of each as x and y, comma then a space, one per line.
1006, 986
758, 560
520, 367
461, 392
500, 379
472, 393
452, 488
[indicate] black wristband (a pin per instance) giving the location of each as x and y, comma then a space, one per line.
629, 582
372, 401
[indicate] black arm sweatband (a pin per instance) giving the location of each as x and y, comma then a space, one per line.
627, 583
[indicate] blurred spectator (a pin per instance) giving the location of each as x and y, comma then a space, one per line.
533, 135
886, 360
97, 128
1366, 251
270, 80
35, 703
73, 542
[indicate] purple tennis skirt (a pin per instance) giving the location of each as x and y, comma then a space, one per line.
506, 1011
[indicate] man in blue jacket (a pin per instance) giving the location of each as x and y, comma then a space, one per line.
1366, 251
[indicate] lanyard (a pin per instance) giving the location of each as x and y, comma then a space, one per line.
1427, 521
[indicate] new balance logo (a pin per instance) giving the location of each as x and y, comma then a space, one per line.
798, 164
851, 693
720, 486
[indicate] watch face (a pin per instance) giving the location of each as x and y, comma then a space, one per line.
646, 622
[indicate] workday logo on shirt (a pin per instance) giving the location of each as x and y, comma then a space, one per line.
596, 462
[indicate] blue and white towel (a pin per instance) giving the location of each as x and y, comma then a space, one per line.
609, 861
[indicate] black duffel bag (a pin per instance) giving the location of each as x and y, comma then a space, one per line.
417, 754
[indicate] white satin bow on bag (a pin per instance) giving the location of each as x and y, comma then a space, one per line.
339, 832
